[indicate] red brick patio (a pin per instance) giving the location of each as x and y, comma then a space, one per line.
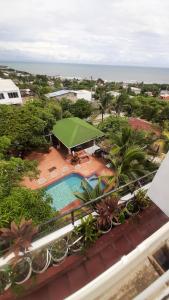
77, 270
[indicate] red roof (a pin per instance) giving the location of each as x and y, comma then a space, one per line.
140, 124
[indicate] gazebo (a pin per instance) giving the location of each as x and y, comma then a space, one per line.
75, 132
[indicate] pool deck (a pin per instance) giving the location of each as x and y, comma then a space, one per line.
55, 161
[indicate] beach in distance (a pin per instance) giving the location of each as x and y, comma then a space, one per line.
106, 72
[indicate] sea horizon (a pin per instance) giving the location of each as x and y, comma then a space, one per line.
116, 73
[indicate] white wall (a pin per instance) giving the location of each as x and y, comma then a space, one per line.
8, 100
159, 189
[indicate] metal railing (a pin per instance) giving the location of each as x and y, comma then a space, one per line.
70, 216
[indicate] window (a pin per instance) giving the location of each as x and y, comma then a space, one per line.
13, 95
2, 96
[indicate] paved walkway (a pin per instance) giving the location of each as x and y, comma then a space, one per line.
59, 282
53, 166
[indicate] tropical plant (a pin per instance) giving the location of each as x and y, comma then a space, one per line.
89, 193
59, 250
142, 199
127, 166
106, 209
19, 236
88, 230
104, 99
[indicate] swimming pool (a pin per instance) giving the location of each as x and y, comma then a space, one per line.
62, 191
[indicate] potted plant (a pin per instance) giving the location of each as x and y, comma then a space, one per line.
132, 208
119, 216
88, 229
20, 237
106, 210
142, 199
59, 250
5, 279
21, 270
41, 260
75, 241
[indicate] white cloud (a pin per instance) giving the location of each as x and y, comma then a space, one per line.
88, 31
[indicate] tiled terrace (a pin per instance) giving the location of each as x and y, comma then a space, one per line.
54, 165
77, 270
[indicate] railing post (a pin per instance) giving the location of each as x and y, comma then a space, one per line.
72, 217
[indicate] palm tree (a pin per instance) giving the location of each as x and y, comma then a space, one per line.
89, 193
104, 98
127, 165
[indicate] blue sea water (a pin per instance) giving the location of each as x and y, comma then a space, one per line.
106, 72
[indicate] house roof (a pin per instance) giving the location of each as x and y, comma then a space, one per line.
140, 124
7, 85
74, 131
59, 93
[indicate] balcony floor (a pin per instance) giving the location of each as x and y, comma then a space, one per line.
59, 282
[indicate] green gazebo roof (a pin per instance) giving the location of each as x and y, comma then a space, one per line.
74, 132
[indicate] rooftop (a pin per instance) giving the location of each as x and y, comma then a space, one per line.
140, 124
7, 85
59, 93
74, 131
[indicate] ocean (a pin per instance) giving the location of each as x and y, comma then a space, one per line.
106, 72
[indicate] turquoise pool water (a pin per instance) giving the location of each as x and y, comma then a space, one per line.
62, 191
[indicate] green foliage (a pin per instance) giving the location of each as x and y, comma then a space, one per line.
104, 99
81, 108
113, 124
89, 193
27, 126
88, 230
12, 171
23, 202
5, 144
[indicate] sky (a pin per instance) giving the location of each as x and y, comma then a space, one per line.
113, 32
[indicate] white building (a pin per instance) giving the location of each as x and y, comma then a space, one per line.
135, 90
9, 92
114, 94
84, 94
71, 95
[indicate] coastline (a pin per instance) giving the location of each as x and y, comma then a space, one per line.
129, 74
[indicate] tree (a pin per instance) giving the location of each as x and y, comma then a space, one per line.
120, 102
81, 108
23, 202
28, 126
12, 172
127, 165
104, 99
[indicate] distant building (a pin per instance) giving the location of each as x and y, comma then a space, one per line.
135, 90
58, 95
84, 94
114, 94
9, 92
164, 94
150, 94
71, 95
